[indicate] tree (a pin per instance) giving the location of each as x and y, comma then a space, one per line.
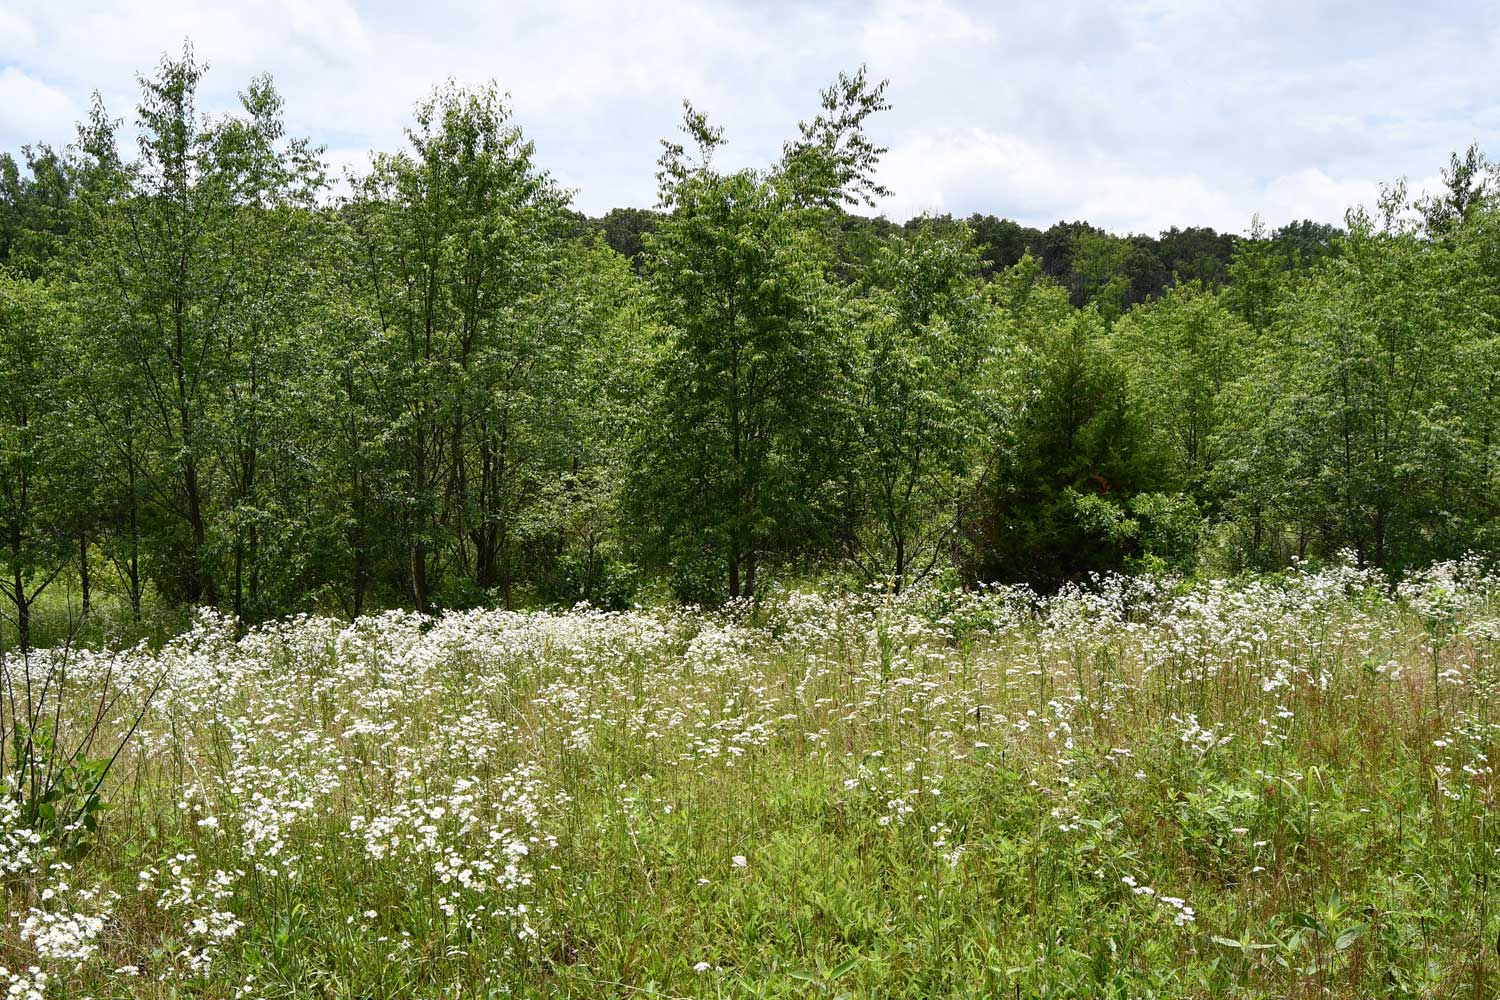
921, 347
1181, 352
1099, 261
1071, 444
570, 529
1196, 253
1002, 242
36, 208
347, 429
731, 464
182, 269
35, 493
262, 356
1303, 244
1256, 275
453, 241
625, 230
1466, 181
1348, 430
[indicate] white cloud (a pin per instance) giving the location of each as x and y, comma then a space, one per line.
1041, 184
1312, 194
31, 109
1136, 116
901, 35
16, 34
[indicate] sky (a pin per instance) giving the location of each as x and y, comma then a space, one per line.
1134, 115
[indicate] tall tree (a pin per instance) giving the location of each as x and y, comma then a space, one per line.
35, 447
1070, 445
261, 354
36, 208
1099, 276
579, 433
920, 349
176, 263
1466, 182
1181, 352
1348, 428
730, 468
454, 239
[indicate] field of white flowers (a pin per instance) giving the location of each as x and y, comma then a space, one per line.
1267, 787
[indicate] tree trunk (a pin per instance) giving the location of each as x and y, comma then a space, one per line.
503, 555
418, 548
23, 624
359, 578
484, 534
135, 551
23, 606
84, 581
486, 568
419, 574
1380, 520
255, 570
239, 577
359, 545
900, 561
200, 586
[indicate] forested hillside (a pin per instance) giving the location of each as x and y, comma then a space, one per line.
228, 379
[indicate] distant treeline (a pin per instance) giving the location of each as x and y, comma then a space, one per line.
1115, 272
222, 383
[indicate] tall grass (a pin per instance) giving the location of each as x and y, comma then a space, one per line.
1277, 787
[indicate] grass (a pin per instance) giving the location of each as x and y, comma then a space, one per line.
57, 618
1243, 789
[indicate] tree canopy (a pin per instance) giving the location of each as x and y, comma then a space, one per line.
226, 381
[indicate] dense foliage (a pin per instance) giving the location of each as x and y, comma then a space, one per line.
227, 381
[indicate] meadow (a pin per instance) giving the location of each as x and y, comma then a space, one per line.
1273, 786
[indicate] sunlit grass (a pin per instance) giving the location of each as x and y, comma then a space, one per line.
1139, 789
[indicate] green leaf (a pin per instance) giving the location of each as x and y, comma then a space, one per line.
843, 968
1346, 940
